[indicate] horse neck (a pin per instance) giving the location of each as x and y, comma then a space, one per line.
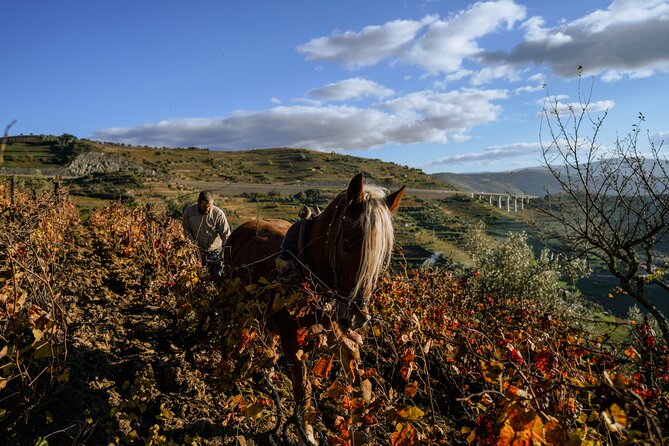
321, 240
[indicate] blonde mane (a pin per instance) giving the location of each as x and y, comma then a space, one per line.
378, 240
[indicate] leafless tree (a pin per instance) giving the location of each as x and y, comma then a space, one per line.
614, 202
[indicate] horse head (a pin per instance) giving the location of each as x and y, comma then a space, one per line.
360, 242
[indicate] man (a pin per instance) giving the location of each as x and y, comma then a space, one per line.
205, 225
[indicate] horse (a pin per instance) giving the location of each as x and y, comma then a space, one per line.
344, 250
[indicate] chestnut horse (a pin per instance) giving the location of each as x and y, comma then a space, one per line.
344, 249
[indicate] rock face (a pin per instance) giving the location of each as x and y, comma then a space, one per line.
99, 162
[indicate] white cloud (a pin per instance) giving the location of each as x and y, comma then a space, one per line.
537, 77
624, 12
489, 74
420, 117
442, 46
489, 155
458, 75
366, 47
275, 100
554, 105
448, 42
626, 39
529, 89
535, 32
351, 89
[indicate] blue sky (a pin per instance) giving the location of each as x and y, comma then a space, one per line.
439, 85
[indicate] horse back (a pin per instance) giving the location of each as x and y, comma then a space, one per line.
252, 247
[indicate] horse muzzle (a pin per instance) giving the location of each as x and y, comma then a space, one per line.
352, 316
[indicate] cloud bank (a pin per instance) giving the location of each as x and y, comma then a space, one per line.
420, 117
434, 44
626, 39
488, 155
354, 88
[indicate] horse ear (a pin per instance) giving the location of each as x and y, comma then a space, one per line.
393, 200
354, 192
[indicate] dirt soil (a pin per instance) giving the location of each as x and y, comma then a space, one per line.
137, 374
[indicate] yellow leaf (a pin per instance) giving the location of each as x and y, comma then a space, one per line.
412, 413
615, 417
49, 417
253, 411
492, 370
38, 334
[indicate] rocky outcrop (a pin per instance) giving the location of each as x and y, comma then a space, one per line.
98, 162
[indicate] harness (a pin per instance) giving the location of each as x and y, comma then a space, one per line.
332, 239
298, 253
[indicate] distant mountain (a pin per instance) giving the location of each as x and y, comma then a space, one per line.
538, 181
530, 181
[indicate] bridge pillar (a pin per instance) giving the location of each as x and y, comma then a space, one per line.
508, 203
490, 199
522, 204
515, 204
499, 201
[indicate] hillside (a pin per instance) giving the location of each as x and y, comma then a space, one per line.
276, 166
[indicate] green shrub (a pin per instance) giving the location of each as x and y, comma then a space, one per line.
510, 268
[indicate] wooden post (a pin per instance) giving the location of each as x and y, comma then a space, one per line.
56, 189
3, 144
12, 190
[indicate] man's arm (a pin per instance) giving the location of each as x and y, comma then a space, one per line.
224, 229
187, 230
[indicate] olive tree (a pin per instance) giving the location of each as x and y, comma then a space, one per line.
614, 199
509, 268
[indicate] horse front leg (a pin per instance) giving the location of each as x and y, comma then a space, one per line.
301, 384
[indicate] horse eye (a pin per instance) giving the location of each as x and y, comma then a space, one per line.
346, 245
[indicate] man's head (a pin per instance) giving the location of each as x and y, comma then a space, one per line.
205, 201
